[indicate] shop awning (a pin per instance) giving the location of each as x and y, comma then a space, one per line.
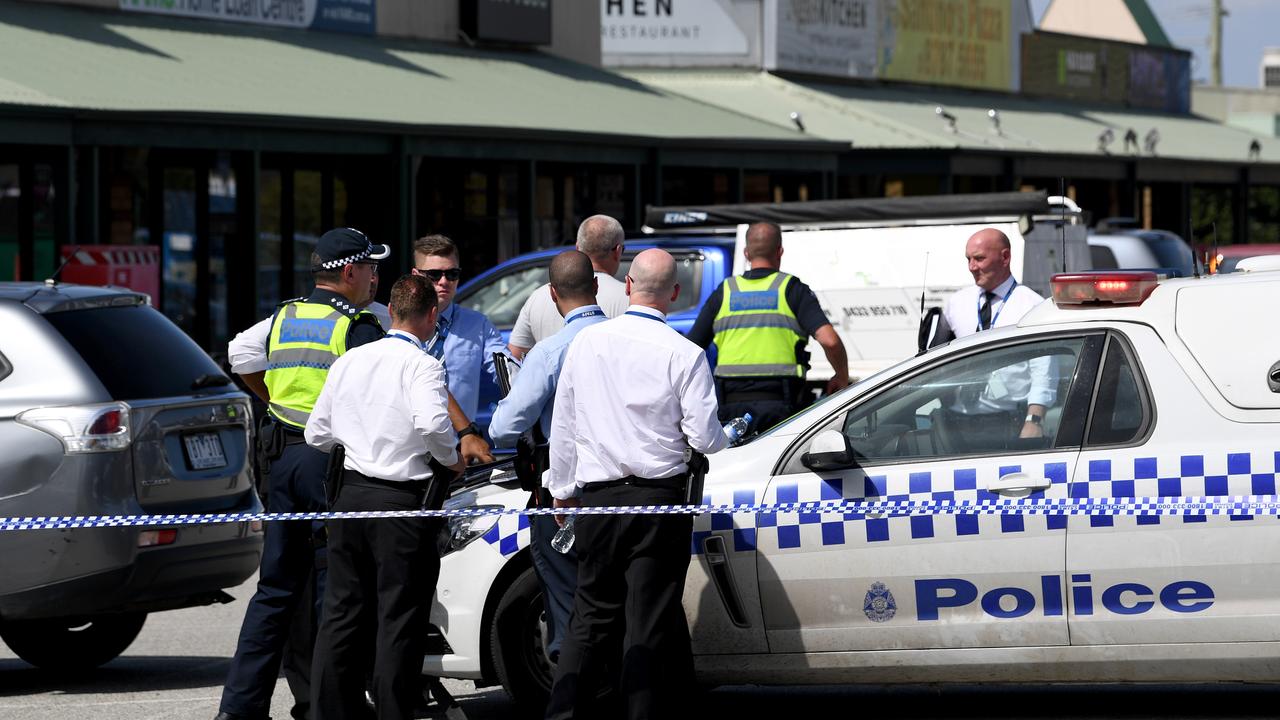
57, 58
902, 117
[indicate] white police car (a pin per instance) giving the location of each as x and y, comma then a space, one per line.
1152, 389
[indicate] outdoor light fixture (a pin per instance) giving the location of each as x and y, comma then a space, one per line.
1105, 138
946, 116
1149, 142
1131, 139
795, 118
1255, 150
994, 116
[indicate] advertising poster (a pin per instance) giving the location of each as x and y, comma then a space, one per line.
966, 43
669, 27
1089, 69
352, 16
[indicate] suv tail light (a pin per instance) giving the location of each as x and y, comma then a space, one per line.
83, 428
1103, 288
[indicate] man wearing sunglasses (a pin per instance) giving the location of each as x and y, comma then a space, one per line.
465, 340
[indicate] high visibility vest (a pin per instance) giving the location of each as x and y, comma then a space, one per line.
306, 338
756, 331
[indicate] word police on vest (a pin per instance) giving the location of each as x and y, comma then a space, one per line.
1126, 598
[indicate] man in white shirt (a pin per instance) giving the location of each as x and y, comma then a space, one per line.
997, 300
600, 238
633, 395
386, 403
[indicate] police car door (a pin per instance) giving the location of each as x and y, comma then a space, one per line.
947, 430
1137, 579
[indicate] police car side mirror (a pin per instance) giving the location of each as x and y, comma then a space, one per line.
829, 450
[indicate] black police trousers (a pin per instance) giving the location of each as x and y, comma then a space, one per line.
631, 573
382, 575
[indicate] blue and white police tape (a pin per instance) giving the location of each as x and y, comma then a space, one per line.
1239, 505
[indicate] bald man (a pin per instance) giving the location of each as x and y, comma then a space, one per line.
633, 395
996, 299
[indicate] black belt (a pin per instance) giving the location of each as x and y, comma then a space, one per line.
292, 436
755, 396
416, 488
675, 482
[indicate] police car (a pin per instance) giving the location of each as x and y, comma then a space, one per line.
1153, 389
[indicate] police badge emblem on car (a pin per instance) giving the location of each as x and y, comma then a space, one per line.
878, 604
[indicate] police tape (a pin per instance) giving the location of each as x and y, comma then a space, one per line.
852, 509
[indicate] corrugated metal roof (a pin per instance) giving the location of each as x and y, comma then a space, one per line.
870, 117
61, 57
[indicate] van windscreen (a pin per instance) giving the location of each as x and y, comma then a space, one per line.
136, 352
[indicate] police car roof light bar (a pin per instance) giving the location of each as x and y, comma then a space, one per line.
1103, 288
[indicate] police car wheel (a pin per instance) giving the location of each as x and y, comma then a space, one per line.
72, 643
516, 641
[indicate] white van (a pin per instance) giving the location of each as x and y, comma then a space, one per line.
870, 261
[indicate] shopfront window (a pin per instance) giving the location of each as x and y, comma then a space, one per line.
10, 194
222, 233
268, 249
308, 226
179, 248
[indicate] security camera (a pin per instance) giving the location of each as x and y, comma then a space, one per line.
795, 118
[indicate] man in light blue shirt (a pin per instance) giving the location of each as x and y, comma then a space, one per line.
533, 392
465, 340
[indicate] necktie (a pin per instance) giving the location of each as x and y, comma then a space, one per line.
984, 312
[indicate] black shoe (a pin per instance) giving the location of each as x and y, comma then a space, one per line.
233, 716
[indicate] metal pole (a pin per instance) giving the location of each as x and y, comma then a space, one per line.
1215, 44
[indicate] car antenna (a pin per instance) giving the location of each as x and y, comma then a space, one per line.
1062, 228
53, 279
924, 284
1215, 239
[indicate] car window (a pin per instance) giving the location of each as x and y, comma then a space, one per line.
688, 274
1119, 408
974, 405
137, 353
501, 298
1102, 257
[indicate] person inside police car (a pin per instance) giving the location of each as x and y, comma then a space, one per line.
386, 403
997, 299
760, 323
633, 395
573, 286
305, 339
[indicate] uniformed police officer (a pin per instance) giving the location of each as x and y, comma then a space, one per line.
760, 323
306, 337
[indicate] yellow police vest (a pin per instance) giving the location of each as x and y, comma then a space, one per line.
306, 338
756, 331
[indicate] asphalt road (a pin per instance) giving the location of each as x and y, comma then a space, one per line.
176, 667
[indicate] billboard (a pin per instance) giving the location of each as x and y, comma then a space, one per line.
669, 27
968, 43
1094, 70
353, 16
525, 22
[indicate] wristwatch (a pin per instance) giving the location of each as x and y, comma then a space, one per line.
470, 429
1034, 419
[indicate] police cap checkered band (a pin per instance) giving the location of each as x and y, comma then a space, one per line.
342, 246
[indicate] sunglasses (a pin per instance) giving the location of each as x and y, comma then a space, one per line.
452, 274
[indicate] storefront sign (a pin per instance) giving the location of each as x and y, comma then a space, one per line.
942, 42
353, 16
526, 22
1089, 69
669, 27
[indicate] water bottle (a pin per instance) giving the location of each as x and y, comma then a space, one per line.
736, 428
562, 541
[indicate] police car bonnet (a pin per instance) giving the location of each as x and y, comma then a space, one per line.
342, 246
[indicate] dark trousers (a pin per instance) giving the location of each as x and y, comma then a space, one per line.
631, 574
382, 574
294, 484
770, 401
558, 576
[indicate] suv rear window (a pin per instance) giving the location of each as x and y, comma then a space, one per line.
136, 352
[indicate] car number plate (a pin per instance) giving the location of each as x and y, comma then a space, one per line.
204, 451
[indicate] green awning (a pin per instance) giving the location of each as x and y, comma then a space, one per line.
889, 117
57, 57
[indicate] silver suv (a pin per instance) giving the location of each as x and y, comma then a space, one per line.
107, 408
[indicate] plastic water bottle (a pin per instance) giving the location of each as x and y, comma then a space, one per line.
562, 541
736, 428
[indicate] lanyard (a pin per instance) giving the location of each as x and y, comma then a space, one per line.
584, 314
411, 341
646, 316
1003, 301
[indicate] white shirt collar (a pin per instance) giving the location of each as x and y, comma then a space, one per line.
408, 335
646, 310
1002, 289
